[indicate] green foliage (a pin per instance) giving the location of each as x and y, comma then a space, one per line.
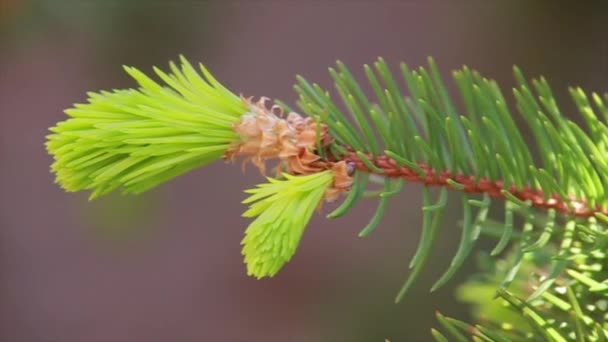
556, 315
136, 139
282, 209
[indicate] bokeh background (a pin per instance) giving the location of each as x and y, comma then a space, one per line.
166, 265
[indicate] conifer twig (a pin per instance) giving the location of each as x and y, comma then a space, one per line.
495, 189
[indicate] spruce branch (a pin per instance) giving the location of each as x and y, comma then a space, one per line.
554, 188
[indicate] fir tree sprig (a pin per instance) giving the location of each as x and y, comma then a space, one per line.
281, 209
135, 139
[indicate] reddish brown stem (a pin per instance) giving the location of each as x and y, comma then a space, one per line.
391, 169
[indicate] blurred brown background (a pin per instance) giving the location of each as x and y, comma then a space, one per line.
166, 266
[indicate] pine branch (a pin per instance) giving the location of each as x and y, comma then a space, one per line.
483, 152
